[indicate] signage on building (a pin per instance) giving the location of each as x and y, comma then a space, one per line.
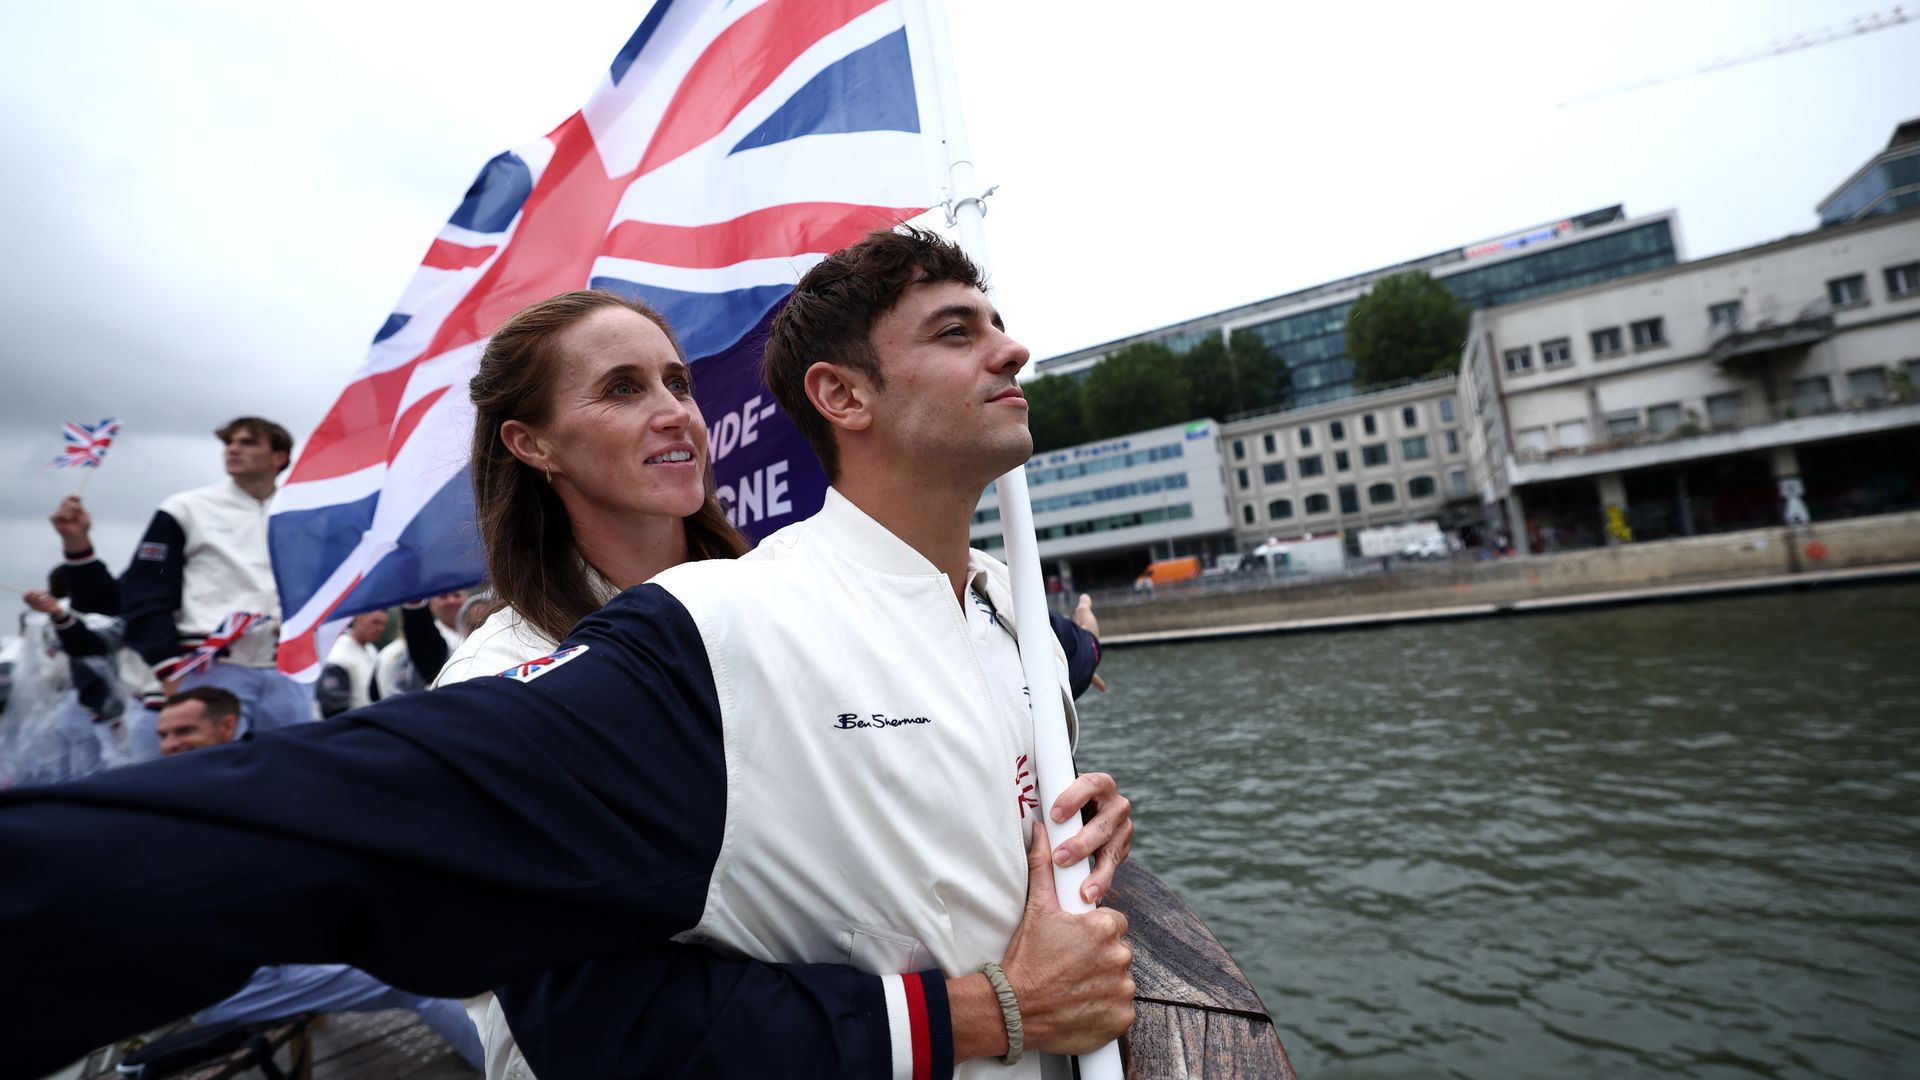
1082, 453
1198, 429
1525, 239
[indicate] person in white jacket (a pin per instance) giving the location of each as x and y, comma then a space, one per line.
812, 761
347, 680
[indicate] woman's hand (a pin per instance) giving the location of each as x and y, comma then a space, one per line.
1108, 837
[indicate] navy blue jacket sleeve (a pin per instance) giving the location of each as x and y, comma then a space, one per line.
689, 1013
1083, 653
90, 587
78, 639
150, 589
426, 649
446, 843
333, 691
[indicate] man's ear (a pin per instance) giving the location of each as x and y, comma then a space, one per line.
526, 444
227, 726
840, 396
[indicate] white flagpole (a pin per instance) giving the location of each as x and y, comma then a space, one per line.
1052, 748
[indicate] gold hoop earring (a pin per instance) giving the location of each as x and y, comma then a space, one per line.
549, 476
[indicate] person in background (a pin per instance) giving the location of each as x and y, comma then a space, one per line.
429, 630
347, 680
209, 716
203, 558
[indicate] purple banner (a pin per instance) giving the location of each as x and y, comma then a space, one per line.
768, 475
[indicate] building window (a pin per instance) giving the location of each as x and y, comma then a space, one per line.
1367, 425
1414, 449
1409, 418
1649, 334
1725, 410
1623, 425
1279, 509
1867, 384
1337, 430
1903, 281
1245, 480
1246, 514
1457, 483
1349, 499
1662, 419
1306, 436
1812, 395
1570, 434
1531, 440
1557, 353
1317, 504
1453, 441
1606, 343
1848, 292
1723, 318
1341, 462
1446, 410
1520, 360
1268, 441
1274, 472
1421, 487
1379, 493
1374, 455
1310, 466
1239, 450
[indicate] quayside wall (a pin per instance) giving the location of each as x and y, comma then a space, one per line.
1753, 553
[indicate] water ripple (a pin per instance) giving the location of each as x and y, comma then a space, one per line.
1653, 841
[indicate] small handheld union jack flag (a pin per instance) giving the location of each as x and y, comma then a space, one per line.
86, 444
231, 629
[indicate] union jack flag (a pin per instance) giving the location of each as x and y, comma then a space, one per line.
729, 147
231, 629
86, 444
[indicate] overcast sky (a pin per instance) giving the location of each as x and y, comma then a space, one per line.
211, 205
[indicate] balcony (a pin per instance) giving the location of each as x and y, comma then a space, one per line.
1745, 345
1755, 427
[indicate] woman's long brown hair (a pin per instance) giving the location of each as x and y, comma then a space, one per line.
531, 557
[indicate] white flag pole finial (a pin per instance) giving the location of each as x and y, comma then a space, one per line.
1053, 751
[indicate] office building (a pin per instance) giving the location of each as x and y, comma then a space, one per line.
1308, 328
1103, 510
1385, 457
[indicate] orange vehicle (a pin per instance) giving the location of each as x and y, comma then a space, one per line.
1171, 571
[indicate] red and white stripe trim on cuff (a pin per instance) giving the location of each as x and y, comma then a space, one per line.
907, 1026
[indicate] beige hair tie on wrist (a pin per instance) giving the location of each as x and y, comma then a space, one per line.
1009, 1011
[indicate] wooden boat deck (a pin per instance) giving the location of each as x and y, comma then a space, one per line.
1196, 1016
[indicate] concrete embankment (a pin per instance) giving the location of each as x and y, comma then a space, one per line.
1880, 548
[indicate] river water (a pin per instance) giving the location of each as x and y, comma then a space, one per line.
1678, 840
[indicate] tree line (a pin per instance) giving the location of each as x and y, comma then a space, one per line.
1148, 385
1406, 326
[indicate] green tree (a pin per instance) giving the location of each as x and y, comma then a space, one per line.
1265, 380
1212, 386
1136, 388
1053, 412
1409, 325
1224, 380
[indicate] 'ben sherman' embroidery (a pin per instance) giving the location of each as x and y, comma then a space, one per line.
847, 721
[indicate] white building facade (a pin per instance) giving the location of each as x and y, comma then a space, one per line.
1384, 457
1735, 391
1110, 507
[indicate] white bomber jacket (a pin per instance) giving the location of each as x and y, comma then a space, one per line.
204, 556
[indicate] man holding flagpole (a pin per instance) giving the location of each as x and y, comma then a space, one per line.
812, 755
